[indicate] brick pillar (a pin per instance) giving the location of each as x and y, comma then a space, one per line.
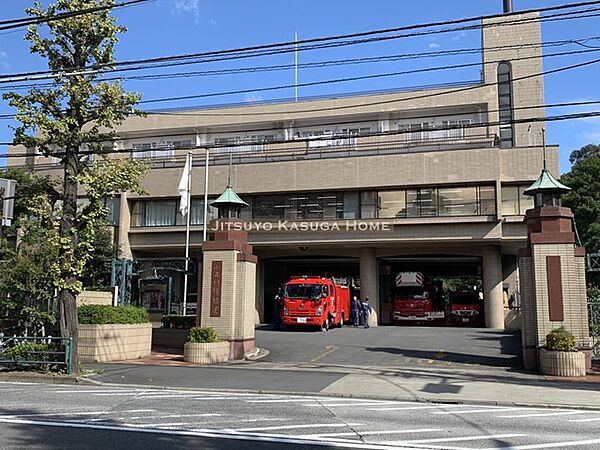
369, 282
553, 282
492, 288
229, 287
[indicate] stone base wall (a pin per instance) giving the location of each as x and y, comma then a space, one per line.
512, 319
212, 353
101, 343
94, 298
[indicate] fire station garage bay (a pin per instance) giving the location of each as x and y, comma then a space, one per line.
414, 197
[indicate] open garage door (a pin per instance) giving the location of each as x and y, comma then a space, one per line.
431, 290
278, 271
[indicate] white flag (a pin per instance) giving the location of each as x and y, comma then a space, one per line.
183, 187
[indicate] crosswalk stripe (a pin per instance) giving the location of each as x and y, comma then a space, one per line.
402, 408
592, 419
456, 439
562, 413
369, 433
291, 427
473, 411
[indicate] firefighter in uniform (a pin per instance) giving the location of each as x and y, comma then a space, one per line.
366, 310
356, 306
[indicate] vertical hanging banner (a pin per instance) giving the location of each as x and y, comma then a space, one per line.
216, 279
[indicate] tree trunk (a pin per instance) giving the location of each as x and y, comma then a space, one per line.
68, 231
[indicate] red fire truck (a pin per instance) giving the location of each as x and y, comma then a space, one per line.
315, 301
413, 300
465, 308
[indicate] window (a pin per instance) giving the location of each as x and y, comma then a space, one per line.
368, 204
392, 204
159, 213
514, 203
458, 201
505, 104
158, 150
165, 213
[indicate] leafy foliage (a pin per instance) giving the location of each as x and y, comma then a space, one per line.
29, 351
203, 335
560, 340
178, 321
106, 314
584, 199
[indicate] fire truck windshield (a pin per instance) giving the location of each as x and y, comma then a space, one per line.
303, 291
416, 292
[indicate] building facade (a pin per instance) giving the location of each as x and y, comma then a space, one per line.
359, 186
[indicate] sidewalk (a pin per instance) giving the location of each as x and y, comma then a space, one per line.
475, 385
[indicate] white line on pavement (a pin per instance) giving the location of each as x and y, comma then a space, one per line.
551, 445
455, 439
312, 405
561, 413
473, 411
279, 400
401, 408
83, 413
207, 433
593, 419
291, 427
368, 433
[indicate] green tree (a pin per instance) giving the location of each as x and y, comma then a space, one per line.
70, 119
584, 199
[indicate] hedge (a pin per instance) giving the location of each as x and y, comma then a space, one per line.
106, 314
178, 321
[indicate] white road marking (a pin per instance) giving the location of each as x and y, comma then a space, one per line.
473, 411
320, 404
593, 419
455, 439
561, 413
84, 413
207, 433
368, 433
291, 427
552, 445
92, 391
279, 400
401, 408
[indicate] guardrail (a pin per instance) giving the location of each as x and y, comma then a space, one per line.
36, 351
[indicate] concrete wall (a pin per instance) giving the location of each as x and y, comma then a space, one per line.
100, 343
94, 298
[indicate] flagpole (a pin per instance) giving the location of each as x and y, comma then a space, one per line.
187, 232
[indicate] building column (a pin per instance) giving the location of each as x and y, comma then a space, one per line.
123, 248
492, 288
259, 316
368, 282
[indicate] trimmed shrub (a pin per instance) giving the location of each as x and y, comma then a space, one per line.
560, 340
178, 321
109, 315
203, 335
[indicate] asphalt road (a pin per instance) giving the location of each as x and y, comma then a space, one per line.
387, 346
54, 416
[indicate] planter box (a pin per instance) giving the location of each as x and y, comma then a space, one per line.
562, 364
101, 343
215, 352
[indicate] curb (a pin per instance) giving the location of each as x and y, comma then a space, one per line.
23, 377
450, 401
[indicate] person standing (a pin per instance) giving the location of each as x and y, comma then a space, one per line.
355, 310
277, 312
366, 310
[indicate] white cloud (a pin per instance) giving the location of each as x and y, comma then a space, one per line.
4, 64
459, 36
213, 22
187, 6
252, 97
433, 45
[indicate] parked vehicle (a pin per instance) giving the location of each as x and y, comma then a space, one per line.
413, 300
315, 301
465, 308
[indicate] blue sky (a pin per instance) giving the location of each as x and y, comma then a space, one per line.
166, 27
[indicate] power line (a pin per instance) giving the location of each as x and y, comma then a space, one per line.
317, 64
339, 80
235, 53
27, 21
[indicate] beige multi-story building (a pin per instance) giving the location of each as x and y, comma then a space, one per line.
361, 186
